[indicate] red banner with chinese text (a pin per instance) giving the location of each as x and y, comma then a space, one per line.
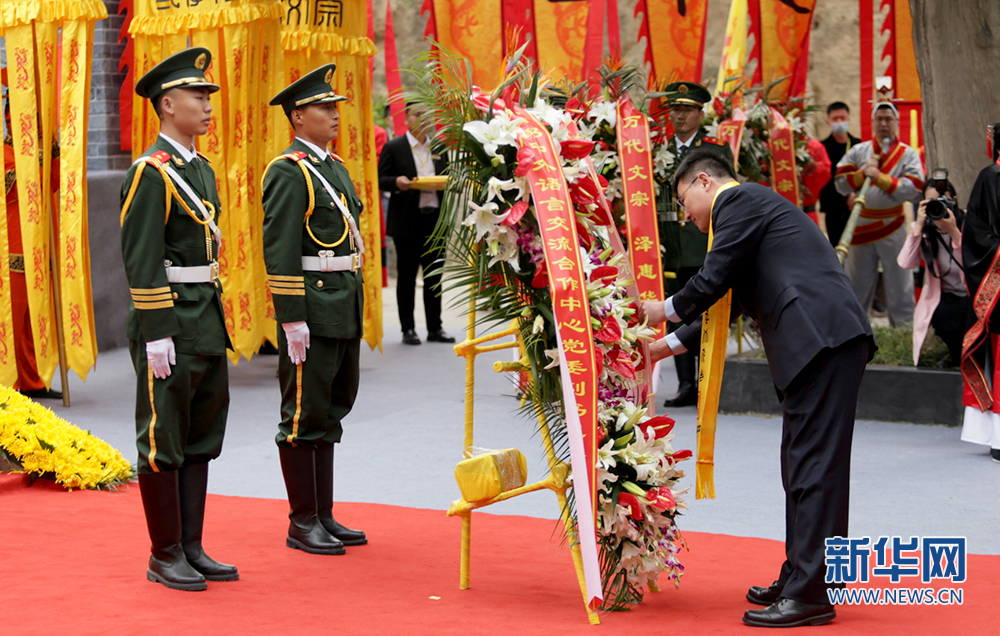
784, 177
731, 132
636, 158
571, 307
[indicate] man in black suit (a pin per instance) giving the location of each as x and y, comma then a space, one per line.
785, 275
411, 219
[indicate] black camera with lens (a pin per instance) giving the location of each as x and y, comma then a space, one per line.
937, 209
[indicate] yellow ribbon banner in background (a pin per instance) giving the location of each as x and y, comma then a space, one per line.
40, 114
324, 31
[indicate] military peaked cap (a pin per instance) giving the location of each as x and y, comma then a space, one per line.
312, 88
185, 69
688, 94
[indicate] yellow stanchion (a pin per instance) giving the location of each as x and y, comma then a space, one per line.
471, 347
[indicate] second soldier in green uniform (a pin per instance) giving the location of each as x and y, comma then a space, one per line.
313, 251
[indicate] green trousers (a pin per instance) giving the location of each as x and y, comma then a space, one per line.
181, 419
319, 393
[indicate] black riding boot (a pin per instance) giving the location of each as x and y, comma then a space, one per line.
305, 532
324, 499
193, 482
167, 563
687, 387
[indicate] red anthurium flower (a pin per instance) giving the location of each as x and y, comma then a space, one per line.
601, 435
575, 106
541, 279
526, 158
604, 274
630, 500
511, 94
610, 331
681, 455
516, 212
660, 499
719, 105
588, 240
481, 101
576, 148
661, 425
621, 363
579, 195
600, 363
601, 181
602, 214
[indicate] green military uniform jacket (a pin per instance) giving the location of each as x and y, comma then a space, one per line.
684, 245
330, 302
190, 313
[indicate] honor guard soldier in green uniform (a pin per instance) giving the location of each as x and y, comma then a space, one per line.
313, 252
176, 329
683, 244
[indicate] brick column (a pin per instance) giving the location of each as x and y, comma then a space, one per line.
104, 144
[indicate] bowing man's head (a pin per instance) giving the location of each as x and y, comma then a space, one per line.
698, 178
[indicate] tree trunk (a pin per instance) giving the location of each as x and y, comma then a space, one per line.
956, 46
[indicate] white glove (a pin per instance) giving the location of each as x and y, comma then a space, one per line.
297, 334
161, 354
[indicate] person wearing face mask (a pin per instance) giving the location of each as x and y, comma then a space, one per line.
937, 239
832, 204
684, 245
897, 176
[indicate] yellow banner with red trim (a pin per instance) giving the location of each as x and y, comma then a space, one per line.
675, 38
577, 352
639, 197
323, 32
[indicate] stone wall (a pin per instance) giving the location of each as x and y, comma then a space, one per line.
104, 143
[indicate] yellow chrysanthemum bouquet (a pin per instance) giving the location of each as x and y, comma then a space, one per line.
42, 443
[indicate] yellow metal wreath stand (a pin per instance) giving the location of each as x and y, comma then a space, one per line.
558, 470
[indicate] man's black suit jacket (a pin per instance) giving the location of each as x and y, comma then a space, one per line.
783, 273
402, 219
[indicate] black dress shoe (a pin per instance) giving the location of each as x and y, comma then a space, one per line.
43, 394
410, 337
788, 613
995, 454
760, 595
687, 395
438, 335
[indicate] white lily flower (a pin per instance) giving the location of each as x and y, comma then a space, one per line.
483, 218
496, 187
603, 112
499, 131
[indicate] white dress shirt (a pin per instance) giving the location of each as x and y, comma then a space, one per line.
187, 154
320, 152
425, 168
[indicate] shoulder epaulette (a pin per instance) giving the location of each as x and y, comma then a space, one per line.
295, 155
207, 160
712, 140
336, 158
158, 158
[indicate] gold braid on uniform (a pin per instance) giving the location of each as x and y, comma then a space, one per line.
312, 200
170, 191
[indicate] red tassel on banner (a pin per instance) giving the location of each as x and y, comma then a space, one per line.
393, 82
125, 92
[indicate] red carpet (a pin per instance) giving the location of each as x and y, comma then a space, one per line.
74, 563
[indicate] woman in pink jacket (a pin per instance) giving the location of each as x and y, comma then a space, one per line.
944, 301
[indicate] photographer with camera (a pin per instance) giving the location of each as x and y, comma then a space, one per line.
936, 236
